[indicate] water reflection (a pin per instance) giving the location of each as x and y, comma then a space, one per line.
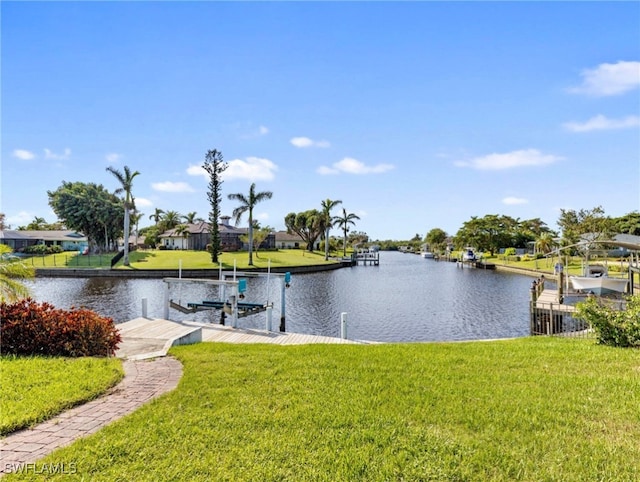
406, 298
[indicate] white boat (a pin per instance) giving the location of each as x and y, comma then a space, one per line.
469, 255
596, 280
427, 254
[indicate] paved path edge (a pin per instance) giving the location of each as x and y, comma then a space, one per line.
143, 381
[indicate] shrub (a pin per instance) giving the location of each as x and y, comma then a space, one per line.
613, 327
510, 252
41, 249
29, 328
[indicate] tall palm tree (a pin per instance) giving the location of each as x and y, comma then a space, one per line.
247, 203
157, 216
126, 184
327, 206
12, 271
343, 222
136, 216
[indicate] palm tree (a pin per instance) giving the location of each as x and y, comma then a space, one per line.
12, 271
545, 243
343, 222
126, 182
182, 230
157, 216
136, 216
192, 218
170, 220
247, 204
327, 206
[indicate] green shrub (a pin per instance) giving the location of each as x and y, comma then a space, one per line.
29, 328
42, 249
613, 327
510, 251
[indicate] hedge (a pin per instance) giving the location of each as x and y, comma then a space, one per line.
30, 328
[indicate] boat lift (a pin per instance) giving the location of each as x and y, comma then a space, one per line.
231, 296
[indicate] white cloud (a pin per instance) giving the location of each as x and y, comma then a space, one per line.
609, 79
600, 123
325, 171
49, 154
143, 202
303, 142
514, 200
197, 170
20, 219
23, 154
263, 131
113, 157
508, 160
252, 169
169, 186
353, 166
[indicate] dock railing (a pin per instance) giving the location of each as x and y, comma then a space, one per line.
558, 320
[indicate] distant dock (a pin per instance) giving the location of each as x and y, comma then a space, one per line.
367, 257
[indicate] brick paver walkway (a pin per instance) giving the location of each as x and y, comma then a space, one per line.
143, 381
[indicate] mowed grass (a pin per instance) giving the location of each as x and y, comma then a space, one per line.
527, 409
172, 259
165, 259
36, 388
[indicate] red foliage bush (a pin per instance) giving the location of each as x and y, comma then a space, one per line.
29, 328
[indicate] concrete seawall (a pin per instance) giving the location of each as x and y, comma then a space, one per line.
168, 273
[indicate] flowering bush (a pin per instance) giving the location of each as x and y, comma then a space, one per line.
30, 328
613, 327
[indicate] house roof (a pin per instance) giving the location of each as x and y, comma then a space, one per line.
65, 235
203, 227
11, 234
283, 236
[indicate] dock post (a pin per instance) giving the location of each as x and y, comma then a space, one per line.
144, 307
534, 292
560, 287
166, 301
343, 325
269, 318
282, 308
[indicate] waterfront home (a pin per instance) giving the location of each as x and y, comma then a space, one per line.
68, 240
196, 237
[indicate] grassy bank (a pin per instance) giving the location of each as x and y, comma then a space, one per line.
160, 259
36, 388
163, 259
526, 409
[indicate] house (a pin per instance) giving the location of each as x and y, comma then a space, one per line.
284, 240
197, 237
67, 240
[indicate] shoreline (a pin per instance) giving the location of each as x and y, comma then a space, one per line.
171, 273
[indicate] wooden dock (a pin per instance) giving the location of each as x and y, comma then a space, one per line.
152, 337
550, 317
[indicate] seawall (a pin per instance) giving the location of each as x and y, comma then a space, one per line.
169, 273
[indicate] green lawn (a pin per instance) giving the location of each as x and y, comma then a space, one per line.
37, 388
526, 409
163, 259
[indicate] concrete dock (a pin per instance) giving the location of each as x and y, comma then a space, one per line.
152, 337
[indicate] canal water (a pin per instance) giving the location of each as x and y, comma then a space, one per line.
405, 298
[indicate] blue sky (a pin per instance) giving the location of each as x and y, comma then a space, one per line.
417, 115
